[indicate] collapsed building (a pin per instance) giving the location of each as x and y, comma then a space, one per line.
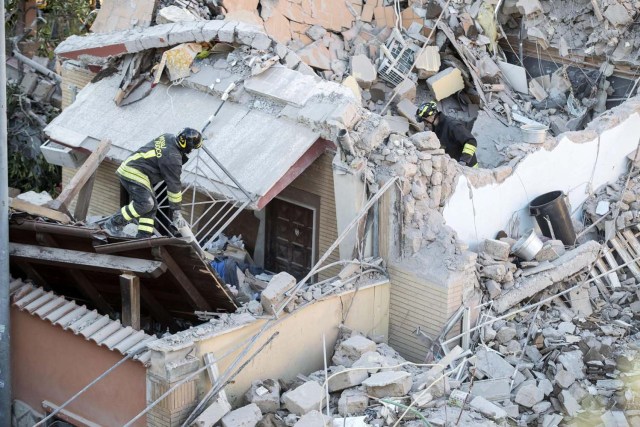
353, 220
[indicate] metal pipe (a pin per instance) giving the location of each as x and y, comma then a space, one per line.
33, 64
5, 327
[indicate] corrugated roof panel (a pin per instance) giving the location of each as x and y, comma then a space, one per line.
49, 307
118, 336
39, 302
15, 285
130, 341
105, 331
59, 312
71, 317
90, 324
29, 297
95, 326
88, 318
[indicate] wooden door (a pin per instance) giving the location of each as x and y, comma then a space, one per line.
289, 236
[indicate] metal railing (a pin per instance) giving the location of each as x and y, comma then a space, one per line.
224, 198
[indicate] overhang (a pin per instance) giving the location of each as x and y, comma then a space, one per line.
264, 153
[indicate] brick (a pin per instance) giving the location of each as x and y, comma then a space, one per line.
384, 16
278, 27
446, 83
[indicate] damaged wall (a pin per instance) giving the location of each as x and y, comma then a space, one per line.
51, 364
578, 164
301, 330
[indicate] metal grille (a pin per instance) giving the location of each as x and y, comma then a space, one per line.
225, 198
397, 58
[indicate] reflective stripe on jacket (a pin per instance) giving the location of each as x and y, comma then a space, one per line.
159, 160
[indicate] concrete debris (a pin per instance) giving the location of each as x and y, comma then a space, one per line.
247, 416
274, 294
304, 399
265, 394
388, 384
446, 83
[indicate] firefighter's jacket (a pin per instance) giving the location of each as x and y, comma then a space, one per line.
457, 140
159, 160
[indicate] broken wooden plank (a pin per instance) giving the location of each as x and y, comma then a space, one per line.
85, 260
84, 197
40, 211
195, 297
130, 296
611, 276
626, 257
81, 177
83, 284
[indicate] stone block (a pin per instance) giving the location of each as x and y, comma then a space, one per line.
488, 409
497, 249
265, 394
424, 141
304, 399
345, 378
505, 334
363, 70
43, 91
247, 416
446, 83
492, 390
406, 90
388, 384
314, 419
352, 402
408, 109
428, 62
273, 295
570, 404
226, 34
29, 82
352, 349
398, 124
564, 378
618, 15
528, 395
261, 41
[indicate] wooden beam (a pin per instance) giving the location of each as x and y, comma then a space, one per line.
33, 274
82, 204
36, 210
130, 294
156, 309
195, 297
79, 279
67, 416
81, 177
85, 260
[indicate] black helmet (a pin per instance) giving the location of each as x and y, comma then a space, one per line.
188, 139
425, 110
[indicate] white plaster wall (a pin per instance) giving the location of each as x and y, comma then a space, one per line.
576, 168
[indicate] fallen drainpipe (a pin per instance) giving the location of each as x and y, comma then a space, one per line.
38, 67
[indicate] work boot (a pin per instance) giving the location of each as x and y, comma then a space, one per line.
143, 235
115, 225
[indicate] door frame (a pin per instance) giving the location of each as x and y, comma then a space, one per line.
305, 200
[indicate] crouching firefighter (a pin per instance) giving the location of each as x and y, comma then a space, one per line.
455, 138
159, 160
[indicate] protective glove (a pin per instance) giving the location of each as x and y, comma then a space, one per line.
178, 220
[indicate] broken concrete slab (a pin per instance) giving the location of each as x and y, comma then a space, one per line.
314, 419
352, 349
515, 76
446, 83
316, 55
341, 378
492, 390
282, 85
213, 413
406, 90
488, 409
497, 249
304, 399
567, 265
388, 384
172, 14
137, 40
274, 294
492, 365
247, 416
618, 15
363, 70
265, 394
428, 62
118, 15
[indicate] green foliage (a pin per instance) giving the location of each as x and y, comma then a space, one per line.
28, 170
64, 18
